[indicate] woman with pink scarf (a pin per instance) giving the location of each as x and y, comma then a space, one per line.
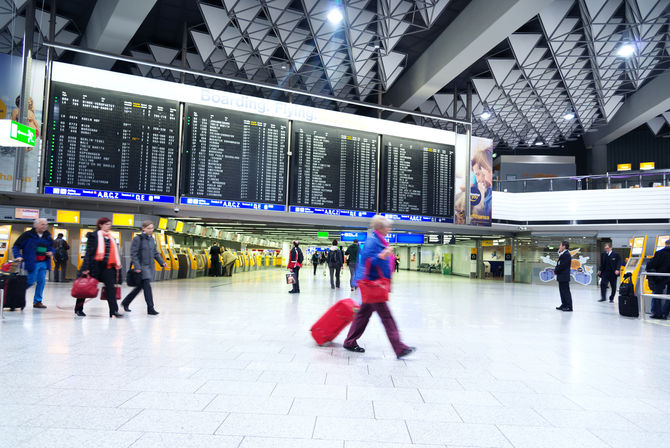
373, 277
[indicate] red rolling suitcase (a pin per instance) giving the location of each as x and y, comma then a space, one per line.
334, 321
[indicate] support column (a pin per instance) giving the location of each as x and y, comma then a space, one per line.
26, 82
468, 155
599, 159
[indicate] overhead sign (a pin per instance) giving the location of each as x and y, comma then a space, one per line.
624, 167
26, 213
647, 165
162, 223
123, 219
180, 226
322, 234
350, 236
487, 243
15, 134
68, 216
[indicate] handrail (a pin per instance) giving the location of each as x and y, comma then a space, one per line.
643, 313
587, 182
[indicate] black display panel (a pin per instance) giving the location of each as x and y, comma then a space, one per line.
417, 178
333, 168
234, 156
102, 140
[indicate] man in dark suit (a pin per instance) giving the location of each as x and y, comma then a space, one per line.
562, 271
610, 267
661, 264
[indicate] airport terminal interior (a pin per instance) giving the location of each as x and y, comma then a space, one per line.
202, 202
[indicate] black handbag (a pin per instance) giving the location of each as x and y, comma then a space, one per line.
134, 279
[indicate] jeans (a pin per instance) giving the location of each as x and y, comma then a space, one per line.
38, 277
352, 272
336, 270
660, 307
296, 273
361, 321
148, 294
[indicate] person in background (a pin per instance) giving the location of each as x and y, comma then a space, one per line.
352, 262
562, 271
397, 264
322, 261
335, 263
143, 252
214, 252
35, 248
102, 261
229, 260
60, 258
610, 266
376, 262
295, 259
661, 264
315, 261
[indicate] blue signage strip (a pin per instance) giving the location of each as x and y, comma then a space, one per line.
232, 204
416, 218
331, 211
397, 238
102, 194
350, 236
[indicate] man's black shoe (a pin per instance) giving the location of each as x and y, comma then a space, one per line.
656, 316
602, 300
356, 348
569, 310
559, 308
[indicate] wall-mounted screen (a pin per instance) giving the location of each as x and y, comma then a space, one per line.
333, 170
111, 145
234, 159
417, 179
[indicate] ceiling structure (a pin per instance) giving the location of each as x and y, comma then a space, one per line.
553, 76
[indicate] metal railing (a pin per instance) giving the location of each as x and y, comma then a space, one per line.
618, 180
643, 311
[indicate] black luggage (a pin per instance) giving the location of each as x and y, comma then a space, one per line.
14, 287
628, 304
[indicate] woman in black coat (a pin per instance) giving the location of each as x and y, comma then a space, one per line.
103, 262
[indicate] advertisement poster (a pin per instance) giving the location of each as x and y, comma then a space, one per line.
10, 90
481, 181
580, 272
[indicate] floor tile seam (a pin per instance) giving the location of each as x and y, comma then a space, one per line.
291, 407
221, 424
316, 418
136, 394
423, 399
209, 402
590, 431
139, 411
539, 412
409, 434
497, 426
142, 434
457, 413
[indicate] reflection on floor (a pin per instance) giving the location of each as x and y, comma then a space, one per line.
230, 363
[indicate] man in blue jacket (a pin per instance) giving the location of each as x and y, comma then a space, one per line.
610, 267
35, 249
562, 271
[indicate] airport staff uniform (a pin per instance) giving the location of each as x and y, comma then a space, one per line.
610, 267
215, 269
562, 271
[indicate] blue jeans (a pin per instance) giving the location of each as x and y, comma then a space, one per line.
38, 276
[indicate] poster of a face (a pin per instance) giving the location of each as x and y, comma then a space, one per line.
10, 91
481, 181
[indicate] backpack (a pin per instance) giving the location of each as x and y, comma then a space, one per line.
61, 251
626, 288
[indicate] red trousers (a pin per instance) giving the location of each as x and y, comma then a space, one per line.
362, 319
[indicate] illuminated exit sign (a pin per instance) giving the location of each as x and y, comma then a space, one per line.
15, 134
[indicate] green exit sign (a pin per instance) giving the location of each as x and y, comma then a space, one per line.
16, 134
322, 234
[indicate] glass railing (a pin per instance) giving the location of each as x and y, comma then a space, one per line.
630, 179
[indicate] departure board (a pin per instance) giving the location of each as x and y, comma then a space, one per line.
234, 156
417, 178
110, 144
333, 168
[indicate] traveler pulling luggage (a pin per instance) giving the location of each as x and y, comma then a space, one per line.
334, 321
14, 285
628, 304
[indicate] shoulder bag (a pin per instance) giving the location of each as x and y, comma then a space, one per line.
374, 291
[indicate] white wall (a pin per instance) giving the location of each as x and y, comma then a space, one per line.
460, 254
632, 203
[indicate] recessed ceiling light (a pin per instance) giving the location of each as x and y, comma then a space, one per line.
335, 16
485, 115
539, 143
569, 116
626, 50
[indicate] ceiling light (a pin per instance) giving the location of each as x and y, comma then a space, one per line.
569, 116
539, 143
335, 16
485, 115
626, 50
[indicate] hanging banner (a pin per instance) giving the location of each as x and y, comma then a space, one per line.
481, 180
10, 92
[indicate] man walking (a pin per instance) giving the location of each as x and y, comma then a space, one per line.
660, 263
214, 252
562, 271
35, 248
352, 262
60, 258
610, 266
335, 262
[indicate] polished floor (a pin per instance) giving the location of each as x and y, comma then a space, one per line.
230, 363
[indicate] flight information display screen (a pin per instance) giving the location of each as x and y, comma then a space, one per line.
333, 171
109, 144
234, 159
417, 179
